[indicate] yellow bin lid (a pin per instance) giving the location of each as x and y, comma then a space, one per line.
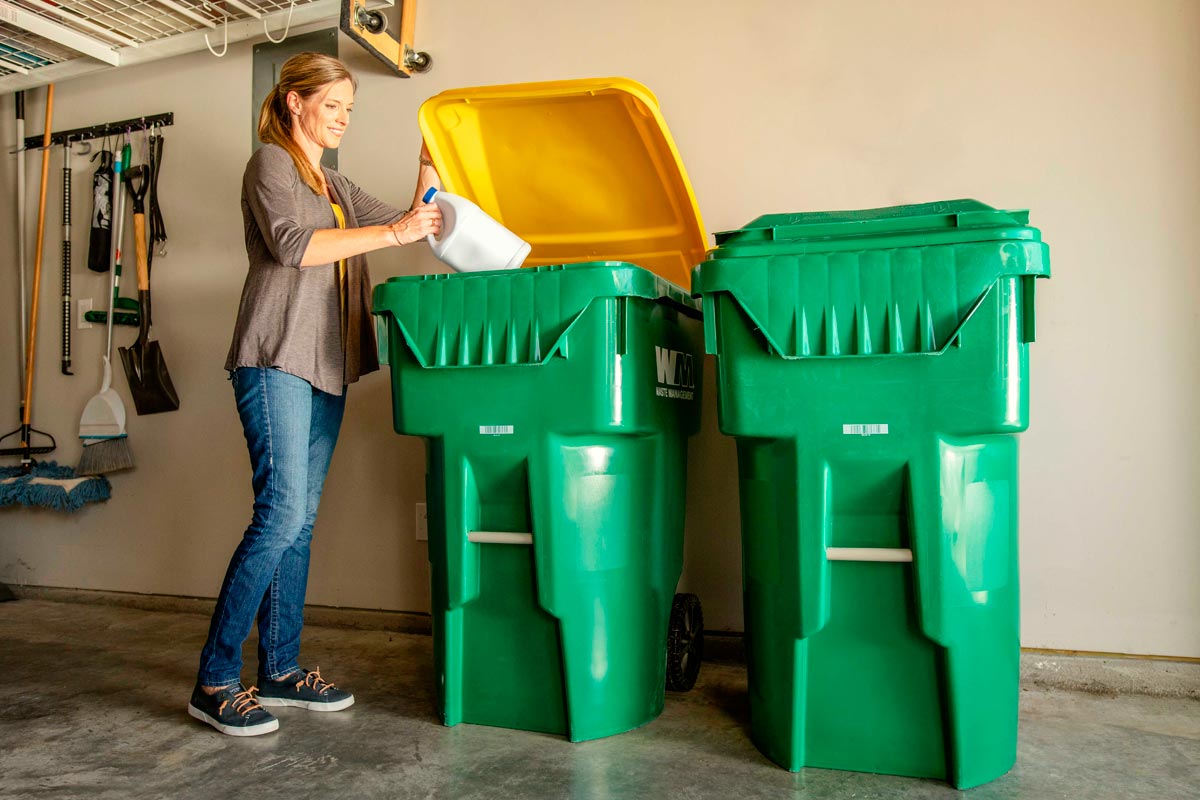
583, 170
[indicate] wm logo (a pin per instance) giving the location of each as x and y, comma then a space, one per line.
675, 368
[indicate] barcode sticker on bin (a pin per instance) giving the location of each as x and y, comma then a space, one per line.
865, 430
495, 430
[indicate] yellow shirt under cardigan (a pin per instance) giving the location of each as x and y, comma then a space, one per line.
341, 274
290, 318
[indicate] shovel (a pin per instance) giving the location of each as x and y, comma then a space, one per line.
149, 382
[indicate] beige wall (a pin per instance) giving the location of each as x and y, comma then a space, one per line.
1085, 112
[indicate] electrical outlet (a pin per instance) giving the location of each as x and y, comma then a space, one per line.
422, 523
83, 305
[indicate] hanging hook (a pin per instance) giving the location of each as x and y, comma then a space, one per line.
225, 30
286, 28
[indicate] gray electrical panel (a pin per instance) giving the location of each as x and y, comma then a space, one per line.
269, 57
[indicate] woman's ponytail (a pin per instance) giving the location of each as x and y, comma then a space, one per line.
306, 74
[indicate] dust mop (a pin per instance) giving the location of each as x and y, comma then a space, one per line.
51, 486
34, 483
103, 420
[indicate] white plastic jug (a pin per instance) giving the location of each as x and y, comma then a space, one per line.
470, 240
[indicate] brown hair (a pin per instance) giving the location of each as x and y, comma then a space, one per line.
305, 74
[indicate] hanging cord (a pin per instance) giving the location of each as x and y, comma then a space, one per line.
158, 230
225, 30
286, 28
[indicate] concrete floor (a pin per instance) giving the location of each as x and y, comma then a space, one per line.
92, 703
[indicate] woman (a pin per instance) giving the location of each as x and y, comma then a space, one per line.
303, 333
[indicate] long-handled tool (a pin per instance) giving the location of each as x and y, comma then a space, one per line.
124, 310
103, 420
43, 484
66, 260
20, 98
149, 382
100, 242
27, 449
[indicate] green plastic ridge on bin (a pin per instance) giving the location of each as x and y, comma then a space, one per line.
509, 318
556, 402
873, 366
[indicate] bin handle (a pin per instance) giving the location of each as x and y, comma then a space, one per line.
499, 537
889, 554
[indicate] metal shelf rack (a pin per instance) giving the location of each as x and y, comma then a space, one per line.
44, 42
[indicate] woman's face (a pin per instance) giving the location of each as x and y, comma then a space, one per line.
323, 116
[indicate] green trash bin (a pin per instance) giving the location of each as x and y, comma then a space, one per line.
556, 403
873, 366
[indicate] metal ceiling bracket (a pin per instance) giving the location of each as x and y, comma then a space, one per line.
369, 29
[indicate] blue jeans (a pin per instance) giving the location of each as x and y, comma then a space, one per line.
291, 429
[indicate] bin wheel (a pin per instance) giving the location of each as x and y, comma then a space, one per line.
685, 642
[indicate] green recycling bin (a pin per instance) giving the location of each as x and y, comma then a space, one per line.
873, 366
557, 403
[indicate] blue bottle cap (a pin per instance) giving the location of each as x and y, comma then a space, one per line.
429, 194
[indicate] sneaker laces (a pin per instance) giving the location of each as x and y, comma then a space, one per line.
243, 702
314, 679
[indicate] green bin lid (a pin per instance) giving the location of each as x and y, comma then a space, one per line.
923, 269
517, 316
945, 222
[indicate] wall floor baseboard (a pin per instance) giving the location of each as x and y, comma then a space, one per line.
321, 616
1111, 675
1094, 673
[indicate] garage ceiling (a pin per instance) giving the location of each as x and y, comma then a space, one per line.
43, 42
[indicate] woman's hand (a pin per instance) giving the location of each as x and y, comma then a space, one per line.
423, 220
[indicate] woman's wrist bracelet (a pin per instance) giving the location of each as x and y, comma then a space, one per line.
396, 236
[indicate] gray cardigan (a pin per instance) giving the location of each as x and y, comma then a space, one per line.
289, 317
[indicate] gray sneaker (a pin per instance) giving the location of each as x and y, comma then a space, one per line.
304, 689
232, 710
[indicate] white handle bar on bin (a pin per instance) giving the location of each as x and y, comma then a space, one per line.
499, 537
890, 554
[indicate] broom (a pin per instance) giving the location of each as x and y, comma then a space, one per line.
103, 420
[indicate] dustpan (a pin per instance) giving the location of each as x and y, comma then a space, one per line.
104, 415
